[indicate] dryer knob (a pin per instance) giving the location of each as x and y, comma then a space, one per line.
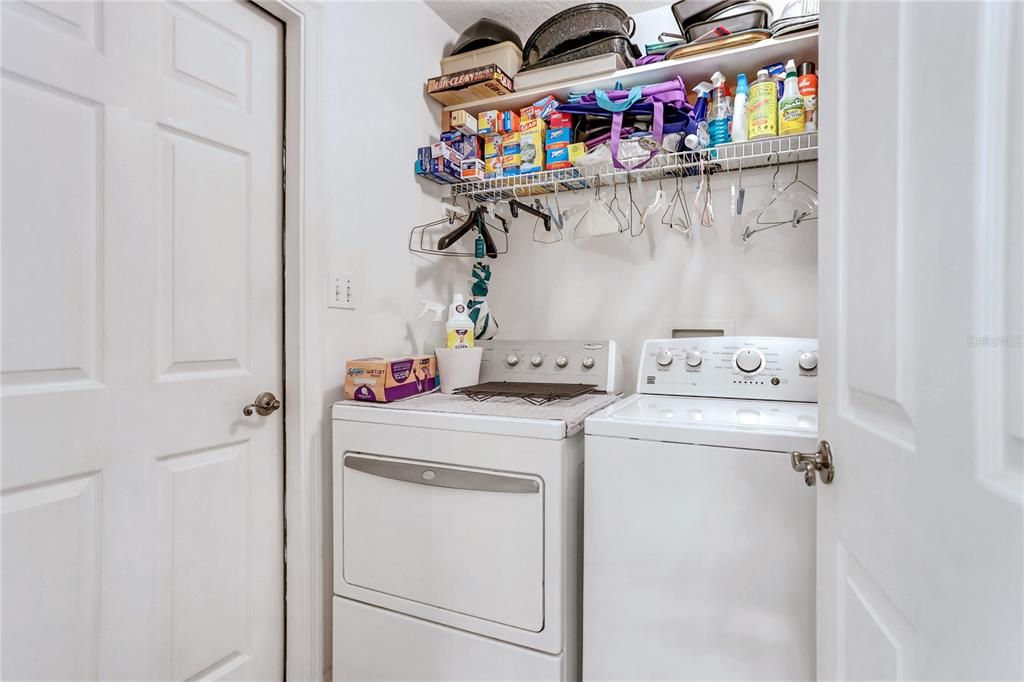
808, 361
693, 358
537, 360
512, 360
663, 358
588, 363
562, 362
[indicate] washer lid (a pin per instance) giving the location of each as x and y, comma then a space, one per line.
752, 424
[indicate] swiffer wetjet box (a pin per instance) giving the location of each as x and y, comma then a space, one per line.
382, 380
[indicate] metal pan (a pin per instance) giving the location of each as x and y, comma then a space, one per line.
689, 12
618, 44
574, 27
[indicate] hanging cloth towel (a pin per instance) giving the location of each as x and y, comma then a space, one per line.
485, 326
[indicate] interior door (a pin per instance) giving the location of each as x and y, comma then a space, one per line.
142, 309
921, 262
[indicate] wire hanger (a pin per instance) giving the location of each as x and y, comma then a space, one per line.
557, 218
613, 207
802, 197
683, 222
702, 202
427, 238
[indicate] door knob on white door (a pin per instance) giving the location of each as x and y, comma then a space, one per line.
265, 403
812, 463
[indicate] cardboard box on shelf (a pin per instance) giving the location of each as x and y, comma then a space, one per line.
469, 85
487, 122
464, 122
531, 153
558, 137
492, 146
473, 169
560, 120
508, 122
492, 167
533, 125
510, 143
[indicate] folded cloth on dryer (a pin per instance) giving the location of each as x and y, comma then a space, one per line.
572, 412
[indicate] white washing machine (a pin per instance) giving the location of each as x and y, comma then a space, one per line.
456, 521
699, 534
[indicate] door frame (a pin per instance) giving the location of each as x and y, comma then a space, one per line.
304, 236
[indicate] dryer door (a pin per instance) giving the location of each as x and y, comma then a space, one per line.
465, 540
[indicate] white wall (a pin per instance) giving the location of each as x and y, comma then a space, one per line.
608, 287
375, 59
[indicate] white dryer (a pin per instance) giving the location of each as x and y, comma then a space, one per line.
699, 534
456, 521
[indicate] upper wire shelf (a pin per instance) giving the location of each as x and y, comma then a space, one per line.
770, 151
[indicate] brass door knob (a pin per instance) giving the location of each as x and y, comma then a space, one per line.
265, 404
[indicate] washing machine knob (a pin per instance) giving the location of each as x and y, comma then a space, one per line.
748, 360
693, 358
663, 358
588, 362
808, 361
512, 360
537, 360
562, 362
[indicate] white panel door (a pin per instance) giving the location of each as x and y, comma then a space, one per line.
142, 308
921, 257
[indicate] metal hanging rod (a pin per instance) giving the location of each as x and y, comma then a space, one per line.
726, 158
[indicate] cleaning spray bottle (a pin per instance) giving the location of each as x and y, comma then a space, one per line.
702, 138
721, 112
437, 335
739, 112
459, 327
791, 106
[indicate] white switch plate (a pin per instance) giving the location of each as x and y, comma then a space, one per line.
339, 290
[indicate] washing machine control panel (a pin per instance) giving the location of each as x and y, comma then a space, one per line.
755, 367
561, 362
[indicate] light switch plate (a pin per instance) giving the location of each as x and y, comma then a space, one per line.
339, 290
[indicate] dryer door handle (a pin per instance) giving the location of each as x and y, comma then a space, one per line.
442, 477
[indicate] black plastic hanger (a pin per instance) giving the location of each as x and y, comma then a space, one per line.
514, 206
447, 241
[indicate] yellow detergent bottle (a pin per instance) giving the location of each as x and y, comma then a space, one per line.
763, 107
459, 326
791, 106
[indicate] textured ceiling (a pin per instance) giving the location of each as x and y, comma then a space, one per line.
522, 16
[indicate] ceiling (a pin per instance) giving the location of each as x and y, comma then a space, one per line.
522, 16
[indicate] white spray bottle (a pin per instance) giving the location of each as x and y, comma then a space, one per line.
437, 335
739, 114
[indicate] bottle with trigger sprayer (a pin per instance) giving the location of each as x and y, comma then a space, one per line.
739, 115
791, 106
721, 112
437, 336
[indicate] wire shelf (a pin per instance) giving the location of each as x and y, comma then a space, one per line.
731, 157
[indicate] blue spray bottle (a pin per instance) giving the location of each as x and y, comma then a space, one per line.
700, 114
721, 112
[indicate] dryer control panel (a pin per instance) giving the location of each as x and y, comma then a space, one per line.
755, 367
553, 362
